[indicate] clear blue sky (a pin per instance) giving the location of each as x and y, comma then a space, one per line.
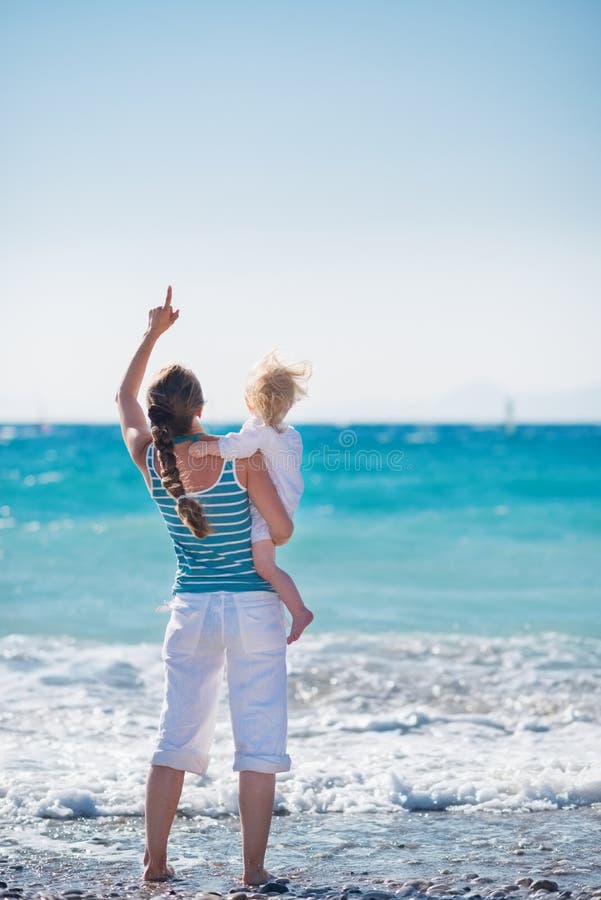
406, 193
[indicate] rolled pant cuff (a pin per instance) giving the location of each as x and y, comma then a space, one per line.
185, 760
265, 764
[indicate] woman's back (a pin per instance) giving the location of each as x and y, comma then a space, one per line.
222, 561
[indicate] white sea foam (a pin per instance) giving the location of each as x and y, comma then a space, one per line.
405, 722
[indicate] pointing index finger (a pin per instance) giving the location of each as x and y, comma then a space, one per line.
168, 299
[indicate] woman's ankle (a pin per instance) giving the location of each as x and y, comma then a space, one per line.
255, 875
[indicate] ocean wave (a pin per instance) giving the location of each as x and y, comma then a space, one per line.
377, 724
331, 791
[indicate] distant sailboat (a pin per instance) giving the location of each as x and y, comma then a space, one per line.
44, 426
509, 416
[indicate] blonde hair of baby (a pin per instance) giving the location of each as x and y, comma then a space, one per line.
274, 386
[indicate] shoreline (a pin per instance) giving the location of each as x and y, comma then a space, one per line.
15, 884
325, 857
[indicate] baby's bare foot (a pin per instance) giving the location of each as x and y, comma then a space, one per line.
256, 876
299, 623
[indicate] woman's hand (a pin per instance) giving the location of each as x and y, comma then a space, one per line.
161, 318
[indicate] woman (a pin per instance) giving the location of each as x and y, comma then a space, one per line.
221, 608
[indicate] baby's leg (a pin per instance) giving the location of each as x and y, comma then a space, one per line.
264, 560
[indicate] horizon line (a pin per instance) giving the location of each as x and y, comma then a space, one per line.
342, 423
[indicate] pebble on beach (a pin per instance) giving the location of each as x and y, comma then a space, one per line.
473, 886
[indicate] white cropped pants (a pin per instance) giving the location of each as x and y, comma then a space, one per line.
246, 631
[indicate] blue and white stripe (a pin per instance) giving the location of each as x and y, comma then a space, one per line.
222, 561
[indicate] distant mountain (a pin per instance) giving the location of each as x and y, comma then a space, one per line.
486, 402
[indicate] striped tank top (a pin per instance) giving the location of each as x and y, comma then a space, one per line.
222, 561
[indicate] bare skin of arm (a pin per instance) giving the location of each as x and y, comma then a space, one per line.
134, 426
265, 497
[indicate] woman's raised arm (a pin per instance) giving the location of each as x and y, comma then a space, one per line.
134, 425
264, 495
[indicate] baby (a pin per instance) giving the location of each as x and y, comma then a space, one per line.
273, 388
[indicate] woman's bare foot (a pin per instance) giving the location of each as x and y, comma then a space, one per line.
299, 623
256, 876
151, 874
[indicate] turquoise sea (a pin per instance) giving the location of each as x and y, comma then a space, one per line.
445, 706
441, 528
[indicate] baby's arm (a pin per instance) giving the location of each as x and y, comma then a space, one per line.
241, 444
235, 445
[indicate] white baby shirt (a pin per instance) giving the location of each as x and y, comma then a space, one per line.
283, 452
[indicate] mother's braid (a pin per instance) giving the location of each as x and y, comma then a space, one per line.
170, 477
188, 509
192, 514
168, 389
